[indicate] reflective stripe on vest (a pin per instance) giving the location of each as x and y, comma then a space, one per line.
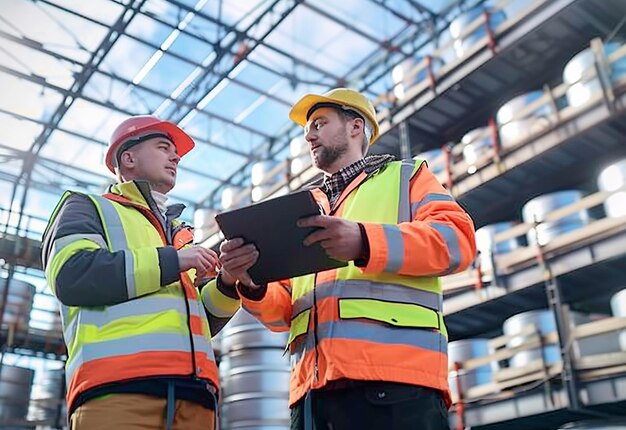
353, 288
148, 306
117, 240
404, 202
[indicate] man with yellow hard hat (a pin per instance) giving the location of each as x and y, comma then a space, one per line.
367, 341
126, 274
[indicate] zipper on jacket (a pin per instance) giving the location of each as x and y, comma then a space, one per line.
186, 299
193, 351
316, 340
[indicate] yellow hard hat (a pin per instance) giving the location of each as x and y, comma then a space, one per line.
342, 97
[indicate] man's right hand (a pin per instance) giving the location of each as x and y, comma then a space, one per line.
237, 258
204, 260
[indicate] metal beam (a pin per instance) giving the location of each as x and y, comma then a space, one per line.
79, 83
179, 113
245, 34
208, 42
33, 44
69, 93
22, 154
345, 24
385, 5
173, 54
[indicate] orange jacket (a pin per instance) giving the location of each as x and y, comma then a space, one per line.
382, 321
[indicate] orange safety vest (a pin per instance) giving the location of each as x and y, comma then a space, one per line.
375, 324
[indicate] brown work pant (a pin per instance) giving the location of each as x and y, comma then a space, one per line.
139, 412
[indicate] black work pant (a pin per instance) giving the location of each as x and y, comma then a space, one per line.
374, 405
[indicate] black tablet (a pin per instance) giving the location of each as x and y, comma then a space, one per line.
272, 226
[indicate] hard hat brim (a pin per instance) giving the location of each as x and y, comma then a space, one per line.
302, 107
181, 140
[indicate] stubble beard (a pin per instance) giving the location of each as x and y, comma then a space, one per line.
328, 155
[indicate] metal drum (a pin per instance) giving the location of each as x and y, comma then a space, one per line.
545, 323
255, 371
404, 75
244, 331
19, 303
537, 209
47, 397
582, 89
610, 179
463, 43
15, 385
485, 242
463, 350
603, 424
203, 223
476, 144
618, 308
515, 128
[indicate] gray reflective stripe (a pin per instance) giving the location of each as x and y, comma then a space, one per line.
69, 330
449, 235
395, 248
202, 344
433, 197
372, 332
404, 212
146, 306
65, 312
129, 272
69, 327
143, 307
153, 342
64, 241
114, 227
362, 289
117, 238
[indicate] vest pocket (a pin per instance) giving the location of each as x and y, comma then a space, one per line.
395, 314
299, 326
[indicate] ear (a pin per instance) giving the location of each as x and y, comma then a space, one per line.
357, 126
127, 159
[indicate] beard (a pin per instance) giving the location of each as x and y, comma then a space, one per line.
327, 155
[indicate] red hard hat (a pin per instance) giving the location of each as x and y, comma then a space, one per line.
144, 125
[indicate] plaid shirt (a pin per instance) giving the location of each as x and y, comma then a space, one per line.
337, 182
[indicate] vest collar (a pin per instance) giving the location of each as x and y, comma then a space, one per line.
139, 192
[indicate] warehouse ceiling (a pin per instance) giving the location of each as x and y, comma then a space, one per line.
226, 70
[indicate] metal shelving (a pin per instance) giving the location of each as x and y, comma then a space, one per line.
583, 268
529, 48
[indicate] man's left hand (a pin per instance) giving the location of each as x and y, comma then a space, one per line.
340, 238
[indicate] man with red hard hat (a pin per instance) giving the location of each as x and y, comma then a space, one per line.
137, 320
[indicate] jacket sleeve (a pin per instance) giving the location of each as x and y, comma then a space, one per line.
273, 309
439, 239
220, 303
80, 269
